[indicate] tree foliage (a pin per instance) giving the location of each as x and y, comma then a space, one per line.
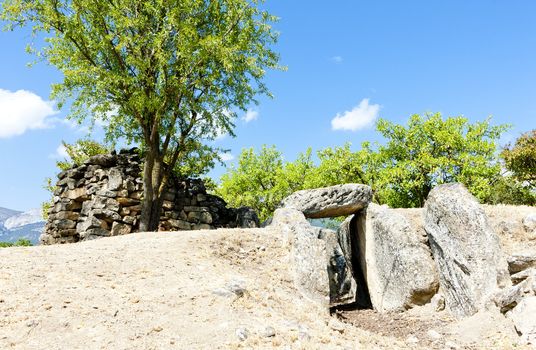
432, 150
262, 180
162, 74
80, 151
428, 151
520, 158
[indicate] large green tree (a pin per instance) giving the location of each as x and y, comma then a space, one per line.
520, 158
163, 74
433, 150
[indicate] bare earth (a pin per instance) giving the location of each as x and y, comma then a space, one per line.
191, 290
180, 290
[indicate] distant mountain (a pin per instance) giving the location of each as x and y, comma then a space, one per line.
7, 213
15, 225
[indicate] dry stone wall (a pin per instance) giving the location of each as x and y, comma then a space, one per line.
102, 197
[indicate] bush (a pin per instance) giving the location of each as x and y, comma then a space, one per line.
19, 243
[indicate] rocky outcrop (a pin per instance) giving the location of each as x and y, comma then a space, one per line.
465, 248
340, 200
321, 269
103, 196
398, 265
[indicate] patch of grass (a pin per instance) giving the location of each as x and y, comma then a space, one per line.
19, 243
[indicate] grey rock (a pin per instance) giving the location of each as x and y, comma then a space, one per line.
120, 229
242, 333
69, 215
106, 215
64, 224
180, 224
510, 297
88, 223
321, 271
129, 219
466, 249
523, 316
246, 218
104, 160
529, 223
268, 332
107, 193
521, 261
115, 179
78, 194
94, 233
340, 200
399, 267
127, 202
523, 275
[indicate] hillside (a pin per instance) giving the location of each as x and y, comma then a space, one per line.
182, 290
198, 290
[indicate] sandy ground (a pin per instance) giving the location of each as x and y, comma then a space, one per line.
198, 290
181, 290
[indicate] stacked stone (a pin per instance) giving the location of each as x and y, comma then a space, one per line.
188, 206
97, 199
102, 198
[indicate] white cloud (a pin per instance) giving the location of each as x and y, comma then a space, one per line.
61, 153
250, 116
337, 59
226, 157
360, 117
23, 110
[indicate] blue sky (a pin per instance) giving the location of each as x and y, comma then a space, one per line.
350, 61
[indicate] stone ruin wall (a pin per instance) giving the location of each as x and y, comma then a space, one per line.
102, 198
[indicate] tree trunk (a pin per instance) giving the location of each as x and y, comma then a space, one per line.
151, 205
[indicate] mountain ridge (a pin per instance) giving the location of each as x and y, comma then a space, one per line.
15, 225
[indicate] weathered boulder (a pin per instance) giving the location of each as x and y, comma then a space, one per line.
466, 249
521, 261
321, 271
525, 287
400, 271
340, 200
523, 316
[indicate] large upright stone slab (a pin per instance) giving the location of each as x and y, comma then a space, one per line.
321, 271
398, 264
465, 248
340, 200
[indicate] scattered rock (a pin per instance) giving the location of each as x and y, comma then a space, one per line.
465, 248
523, 316
510, 297
434, 335
529, 223
521, 261
268, 332
336, 325
242, 333
340, 200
